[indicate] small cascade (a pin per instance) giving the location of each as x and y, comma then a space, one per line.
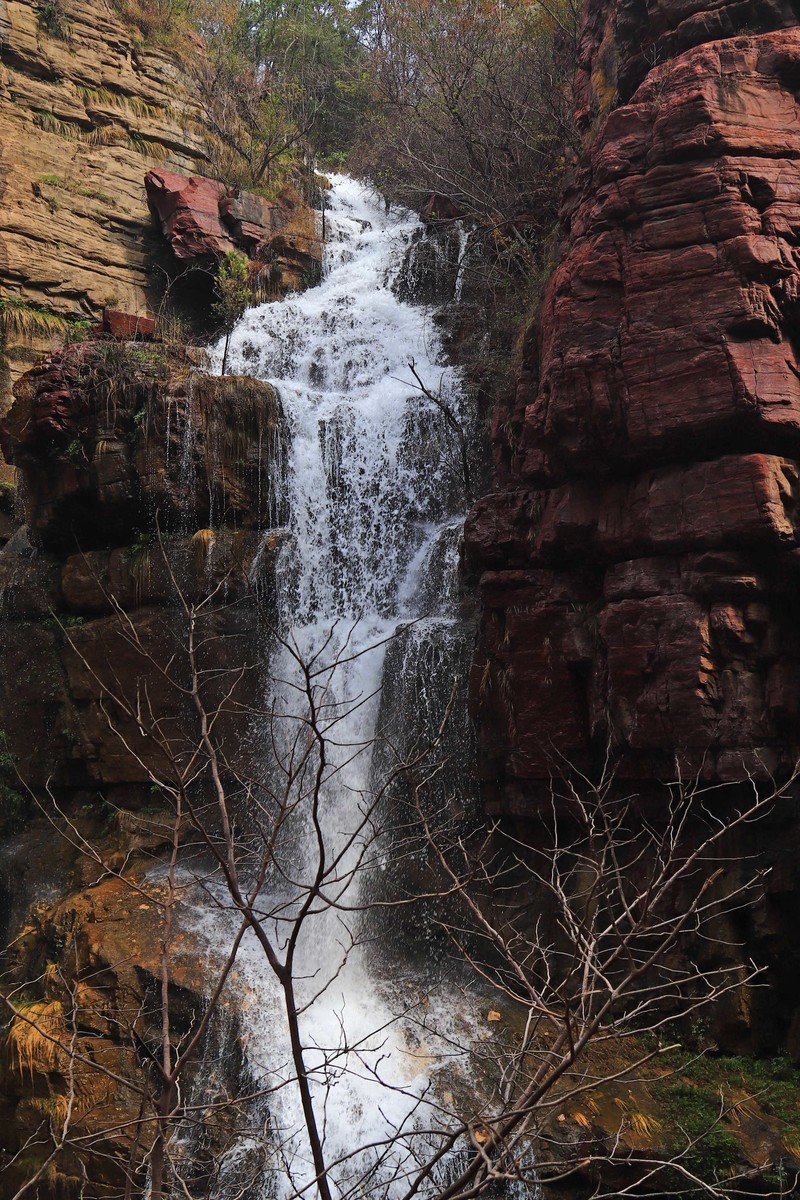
368, 594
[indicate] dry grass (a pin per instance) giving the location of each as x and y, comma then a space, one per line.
161, 23
55, 1107
202, 545
103, 135
34, 1039
643, 1125
28, 321
126, 104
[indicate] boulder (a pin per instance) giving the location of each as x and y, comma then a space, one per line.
188, 210
128, 327
202, 220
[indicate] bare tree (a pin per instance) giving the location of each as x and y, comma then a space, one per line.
587, 932
473, 102
606, 947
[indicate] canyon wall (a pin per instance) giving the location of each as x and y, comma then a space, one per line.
148, 487
86, 107
638, 559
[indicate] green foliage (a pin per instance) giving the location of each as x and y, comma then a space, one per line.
701, 1103
158, 22
285, 79
61, 625
691, 1114
76, 189
234, 291
32, 320
233, 288
142, 546
119, 362
78, 330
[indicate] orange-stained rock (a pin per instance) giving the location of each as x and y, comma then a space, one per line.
91, 968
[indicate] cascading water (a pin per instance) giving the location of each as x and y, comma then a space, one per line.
371, 487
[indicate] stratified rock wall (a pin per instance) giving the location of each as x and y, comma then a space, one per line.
639, 558
85, 109
152, 498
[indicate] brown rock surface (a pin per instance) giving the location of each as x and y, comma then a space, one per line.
164, 475
105, 435
91, 968
141, 476
638, 559
82, 117
127, 327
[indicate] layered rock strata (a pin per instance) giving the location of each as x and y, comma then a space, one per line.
639, 557
141, 476
85, 109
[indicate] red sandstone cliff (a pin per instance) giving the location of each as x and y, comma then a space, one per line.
639, 559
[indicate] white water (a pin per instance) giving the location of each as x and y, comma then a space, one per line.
370, 489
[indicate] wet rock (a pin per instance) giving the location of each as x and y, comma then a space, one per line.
239, 564
148, 486
106, 436
95, 955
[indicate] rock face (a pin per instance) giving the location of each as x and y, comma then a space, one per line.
149, 487
141, 475
639, 557
85, 109
203, 219
96, 956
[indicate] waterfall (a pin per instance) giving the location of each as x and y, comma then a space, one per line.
373, 492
